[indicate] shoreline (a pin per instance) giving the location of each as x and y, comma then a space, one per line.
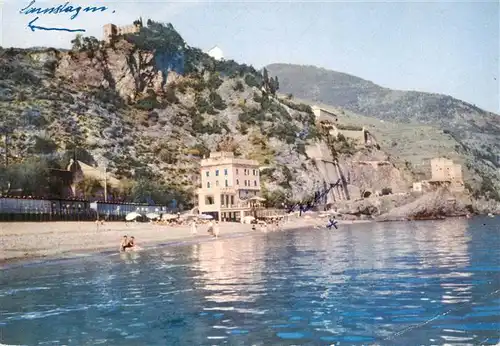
25, 243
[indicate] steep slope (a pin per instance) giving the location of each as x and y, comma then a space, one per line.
476, 131
148, 107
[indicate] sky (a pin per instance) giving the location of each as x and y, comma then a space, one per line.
450, 48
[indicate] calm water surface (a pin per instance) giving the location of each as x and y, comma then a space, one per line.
426, 283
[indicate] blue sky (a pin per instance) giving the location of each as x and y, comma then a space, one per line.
444, 47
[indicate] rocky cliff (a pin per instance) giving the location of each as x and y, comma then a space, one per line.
149, 117
149, 110
438, 124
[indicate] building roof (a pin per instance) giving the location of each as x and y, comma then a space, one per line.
94, 172
216, 53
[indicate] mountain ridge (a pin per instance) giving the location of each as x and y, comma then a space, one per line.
275, 66
477, 131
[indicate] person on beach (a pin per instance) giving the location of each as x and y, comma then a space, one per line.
210, 229
194, 229
216, 230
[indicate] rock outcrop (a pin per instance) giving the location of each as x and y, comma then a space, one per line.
434, 205
124, 68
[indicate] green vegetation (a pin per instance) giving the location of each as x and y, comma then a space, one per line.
157, 37
349, 127
386, 191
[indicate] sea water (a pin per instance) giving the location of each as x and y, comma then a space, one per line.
415, 283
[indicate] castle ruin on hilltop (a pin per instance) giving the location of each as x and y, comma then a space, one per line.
111, 31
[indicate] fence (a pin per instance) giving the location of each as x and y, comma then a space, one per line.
27, 209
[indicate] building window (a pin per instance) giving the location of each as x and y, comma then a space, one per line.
245, 183
225, 171
237, 182
232, 199
217, 183
226, 184
253, 172
245, 172
208, 173
208, 185
209, 200
216, 172
237, 170
255, 183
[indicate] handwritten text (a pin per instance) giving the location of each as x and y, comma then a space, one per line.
66, 8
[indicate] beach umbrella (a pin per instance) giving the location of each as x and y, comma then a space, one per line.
132, 216
169, 217
188, 216
152, 216
248, 219
205, 217
257, 198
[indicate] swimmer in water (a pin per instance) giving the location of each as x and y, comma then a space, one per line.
124, 243
127, 244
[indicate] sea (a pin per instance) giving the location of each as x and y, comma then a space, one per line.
399, 283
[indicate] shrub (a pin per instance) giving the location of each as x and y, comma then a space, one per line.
257, 98
170, 95
238, 86
298, 106
386, 191
214, 82
201, 149
202, 105
252, 81
44, 145
217, 101
349, 127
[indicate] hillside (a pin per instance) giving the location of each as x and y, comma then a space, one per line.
148, 107
468, 134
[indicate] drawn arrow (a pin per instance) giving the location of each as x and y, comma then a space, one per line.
34, 27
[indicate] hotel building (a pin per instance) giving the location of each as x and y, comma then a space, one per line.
227, 183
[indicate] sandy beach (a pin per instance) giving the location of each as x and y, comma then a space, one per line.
30, 240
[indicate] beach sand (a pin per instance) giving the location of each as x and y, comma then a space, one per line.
29, 240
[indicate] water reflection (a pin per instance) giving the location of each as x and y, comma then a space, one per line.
392, 284
231, 271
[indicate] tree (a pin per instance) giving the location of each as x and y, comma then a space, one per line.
77, 43
44, 145
265, 75
31, 176
90, 187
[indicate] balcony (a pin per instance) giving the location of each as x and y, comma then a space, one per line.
217, 189
235, 206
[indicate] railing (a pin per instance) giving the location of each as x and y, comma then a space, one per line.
236, 205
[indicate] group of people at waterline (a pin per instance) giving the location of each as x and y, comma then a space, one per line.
128, 244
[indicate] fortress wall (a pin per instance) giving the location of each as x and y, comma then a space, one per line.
356, 135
